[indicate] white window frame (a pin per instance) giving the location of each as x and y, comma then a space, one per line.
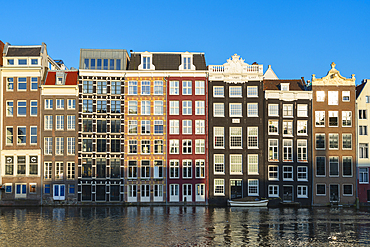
288, 170
174, 87
218, 91
302, 110
199, 87
187, 107
302, 150
235, 92
252, 91
187, 87
200, 127
301, 172
252, 109
187, 127
253, 164
236, 137
252, 185
174, 146
275, 188
218, 132
272, 108
219, 163
199, 107
158, 107
219, 187
274, 170
236, 164
333, 98
174, 127
200, 146
273, 124
302, 191
252, 137
174, 107
320, 96
318, 118
218, 110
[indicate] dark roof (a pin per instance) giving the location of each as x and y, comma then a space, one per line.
24, 51
71, 78
359, 88
294, 85
168, 61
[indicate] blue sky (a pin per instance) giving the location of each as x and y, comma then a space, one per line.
298, 38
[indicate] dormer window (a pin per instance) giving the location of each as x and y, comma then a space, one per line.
186, 62
34, 61
10, 61
146, 62
22, 61
284, 86
59, 80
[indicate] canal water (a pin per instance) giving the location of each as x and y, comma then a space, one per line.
183, 226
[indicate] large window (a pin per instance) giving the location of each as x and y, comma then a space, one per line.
219, 187
347, 166
334, 166
87, 87
115, 166
301, 127
102, 126
174, 147
22, 83
320, 96
59, 170
59, 104
287, 110
219, 163
115, 106
59, 145
9, 84
236, 164
253, 164
22, 135
87, 106
174, 87
174, 107
115, 87
9, 135
218, 110
363, 150
187, 169
187, 127
302, 173
346, 118
21, 165
145, 107
235, 91
145, 146
186, 107
347, 141
199, 108
320, 189
174, 127
288, 173
48, 122
59, 122
288, 128
320, 141
33, 136
273, 110
302, 110
33, 104
71, 145
362, 130
102, 87
145, 127
302, 191
252, 137
132, 169
252, 91
287, 150
200, 169
200, 146
347, 190
320, 118
158, 127
252, 187
252, 109
158, 169
22, 108
363, 174
132, 146
132, 87
186, 87
236, 110
115, 126
158, 87
273, 173
158, 107
9, 108
71, 122
302, 150
333, 141
145, 87
48, 145
320, 166
174, 169
199, 88
333, 98
186, 146
87, 125
199, 127
362, 114
218, 91
47, 170
115, 145
132, 107
333, 119
101, 145
273, 127
236, 137
145, 169
273, 190
158, 146
273, 150
218, 133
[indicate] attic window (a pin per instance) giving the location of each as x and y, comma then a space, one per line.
59, 80
186, 62
10, 61
22, 61
284, 86
146, 62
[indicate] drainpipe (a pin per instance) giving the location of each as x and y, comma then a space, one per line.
166, 81
356, 170
42, 151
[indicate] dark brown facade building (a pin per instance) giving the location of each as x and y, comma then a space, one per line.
334, 137
287, 141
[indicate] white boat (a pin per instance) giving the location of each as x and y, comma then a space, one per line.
262, 203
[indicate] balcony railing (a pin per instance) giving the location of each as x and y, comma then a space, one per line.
246, 69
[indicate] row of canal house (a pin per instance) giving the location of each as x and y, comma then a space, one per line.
165, 128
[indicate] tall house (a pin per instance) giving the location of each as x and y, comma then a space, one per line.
24, 67
59, 136
1, 52
236, 130
100, 170
288, 141
334, 137
363, 161
163, 162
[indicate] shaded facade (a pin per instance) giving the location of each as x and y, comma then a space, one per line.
100, 170
287, 141
59, 136
236, 130
334, 139
363, 161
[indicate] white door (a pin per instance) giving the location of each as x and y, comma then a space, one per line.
158, 192
59, 192
200, 192
174, 192
131, 197
145, 193
186, 193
